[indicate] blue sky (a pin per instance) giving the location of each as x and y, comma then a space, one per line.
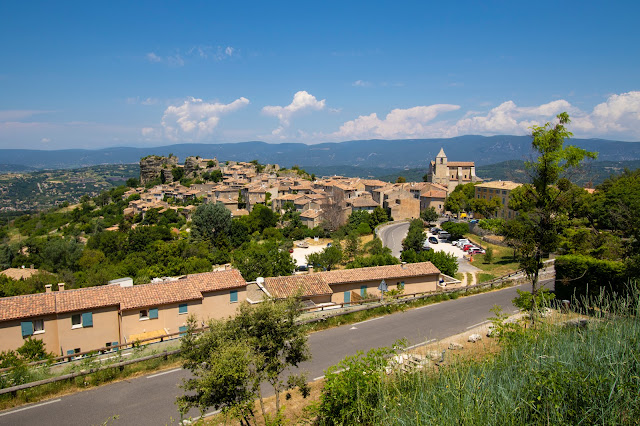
93, 75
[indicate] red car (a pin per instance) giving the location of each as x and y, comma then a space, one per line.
467, 247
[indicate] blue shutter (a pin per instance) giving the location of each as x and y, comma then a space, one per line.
347, 297
182, 308
233, 296
153, 313
183, 330
27, 328
115, 344
71, 352
87, 319
363, 290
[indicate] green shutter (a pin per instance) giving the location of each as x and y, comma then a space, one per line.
233, 296
363, 290
153, 313
71, 352
182, 308
27, 328
183, 330
87, 319
115, 344
347, 297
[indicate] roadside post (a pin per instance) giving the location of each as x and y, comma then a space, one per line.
382, 287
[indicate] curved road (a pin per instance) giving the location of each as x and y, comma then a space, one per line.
392, 235
149, 400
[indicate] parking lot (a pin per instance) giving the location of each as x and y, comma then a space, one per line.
445, 246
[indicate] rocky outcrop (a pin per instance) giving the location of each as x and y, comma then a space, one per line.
153, 166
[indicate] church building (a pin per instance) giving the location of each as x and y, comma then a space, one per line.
451, 173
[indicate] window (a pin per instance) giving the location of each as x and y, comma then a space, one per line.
182, 308
233, 296
76, 321
82, 320
401, 285
144, 314
38, 326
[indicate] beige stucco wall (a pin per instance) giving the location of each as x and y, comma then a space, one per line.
105, 329
169, 319
11, 334
217, 304
411, 285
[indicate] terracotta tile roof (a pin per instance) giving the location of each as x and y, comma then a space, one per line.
155, 294
214, 281
311, 214
87, 298
434, 194
363, 202
308, 285
379, 272
30, 305
460, 164
499, 184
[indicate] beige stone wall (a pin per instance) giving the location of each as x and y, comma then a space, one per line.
406, 208
217, 304
104, 329
11, 334
169, 319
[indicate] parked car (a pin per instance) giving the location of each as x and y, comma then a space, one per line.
302, 268
433, 240
329, 244
435, 230
476, 250
462, 242
466, 247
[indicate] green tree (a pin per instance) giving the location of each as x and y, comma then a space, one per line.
401, 179
488, 255
429, 215
415, 236
457, 230
264, 259
445, 262
352, 245
542, 204
460, 199
211, 222
378, 216
327, 258
233, 358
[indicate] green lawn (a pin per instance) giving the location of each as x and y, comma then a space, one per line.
503, 262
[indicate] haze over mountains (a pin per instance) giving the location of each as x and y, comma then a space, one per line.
395, 154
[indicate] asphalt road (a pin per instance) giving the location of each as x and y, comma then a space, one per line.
392, 235
149, 400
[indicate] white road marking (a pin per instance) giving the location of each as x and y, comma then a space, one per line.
480, 323
30, 407
369, 320
318, 378
353, 328
163, 373
419, 344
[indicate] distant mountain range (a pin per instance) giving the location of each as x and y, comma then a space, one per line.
372, 154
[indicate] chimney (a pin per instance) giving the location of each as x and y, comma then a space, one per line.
47, 288
60, 286
403, 264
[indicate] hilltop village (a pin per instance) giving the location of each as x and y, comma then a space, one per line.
240, 186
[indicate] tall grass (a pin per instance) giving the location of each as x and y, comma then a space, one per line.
553, 374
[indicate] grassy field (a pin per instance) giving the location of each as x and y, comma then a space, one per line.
503, 262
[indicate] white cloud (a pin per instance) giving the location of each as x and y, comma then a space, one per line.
19, 114
302, 101
195, 119
45, 140
152, 57
619, 116
361, 83
147, 131
229, 51
399, 123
